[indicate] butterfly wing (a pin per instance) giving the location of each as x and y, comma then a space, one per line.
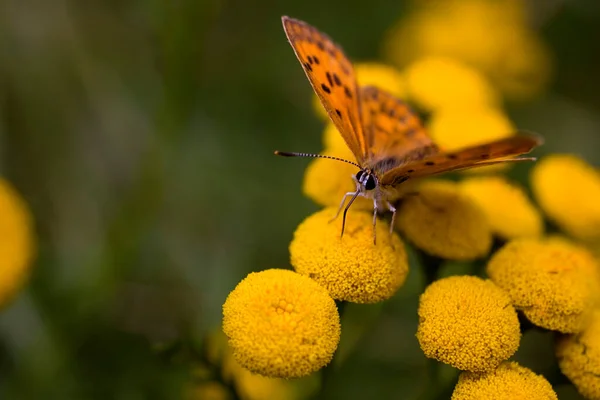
394, 133
500, 151
332, 78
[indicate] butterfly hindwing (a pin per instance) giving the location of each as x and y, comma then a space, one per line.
500, 151
332, 77
393, 131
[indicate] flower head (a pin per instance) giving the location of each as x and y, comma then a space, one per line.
492, 36
17, 246
553, 281
579, 358
327, 181
507, 207
281, 324
444, 222
435, 83
373, 74
454, 128
508, 382
467, 322
568, 190
351, 267
250, 386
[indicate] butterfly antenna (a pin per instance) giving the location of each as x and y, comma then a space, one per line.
288, 154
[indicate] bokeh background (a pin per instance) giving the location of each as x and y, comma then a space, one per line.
141, 135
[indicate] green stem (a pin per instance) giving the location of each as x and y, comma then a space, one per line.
329, 370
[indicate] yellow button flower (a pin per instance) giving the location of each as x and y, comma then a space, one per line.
455, 128
17, 247
327, 181
435, 83
445, 223
281, 324
492, 36
510, 212
351, 267
568, 190
509, 381
251, 386
334, 142
579, 358
467, 322
553, 281
373, 74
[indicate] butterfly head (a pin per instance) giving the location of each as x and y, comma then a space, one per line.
366, 179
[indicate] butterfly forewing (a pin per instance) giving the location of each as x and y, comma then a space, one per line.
333, 79
393, 132
499, 151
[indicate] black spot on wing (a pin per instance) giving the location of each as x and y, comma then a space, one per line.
347, 92
325, 88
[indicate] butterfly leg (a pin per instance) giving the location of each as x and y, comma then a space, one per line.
374, 221
337, 214
393, 210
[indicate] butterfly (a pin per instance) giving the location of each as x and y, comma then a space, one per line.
386, 137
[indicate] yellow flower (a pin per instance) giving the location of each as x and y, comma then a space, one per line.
327, 181
527, 71
351, 267
281, 324
492, 36
467, 322
458, 127
455, 128
568, 190
373, 74
17, 247
553, 281
251, 386
509, 381
579, 358
445, 223
334, 142
435, 83
507, 207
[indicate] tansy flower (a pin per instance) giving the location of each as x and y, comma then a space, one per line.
17, 245
334, 142
435, 83
467, 322
455, 128
568, 190
509, 381
507, 207
251, 386
327, 181
445, 223
373, 74
579, 358
553, 281
281, 324
492, 36
351, 267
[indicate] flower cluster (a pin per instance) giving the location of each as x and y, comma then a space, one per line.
285, 324
492, 36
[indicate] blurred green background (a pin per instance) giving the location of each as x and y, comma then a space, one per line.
141, 134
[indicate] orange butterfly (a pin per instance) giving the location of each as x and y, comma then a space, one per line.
384, 134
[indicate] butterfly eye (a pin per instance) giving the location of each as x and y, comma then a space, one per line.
370, 185
359, 175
